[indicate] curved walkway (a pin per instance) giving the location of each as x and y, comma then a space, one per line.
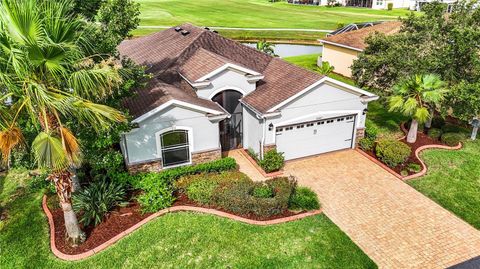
113, 240
395, 225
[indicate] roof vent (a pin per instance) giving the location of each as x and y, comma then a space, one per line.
185, 32
215, 31
178, 29
206, 28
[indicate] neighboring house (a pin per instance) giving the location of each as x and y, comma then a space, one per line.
342, 48
418, 4
210, 94
374, 4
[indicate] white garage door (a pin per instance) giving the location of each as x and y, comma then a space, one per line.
310, 138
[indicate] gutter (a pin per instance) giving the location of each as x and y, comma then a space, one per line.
340, 45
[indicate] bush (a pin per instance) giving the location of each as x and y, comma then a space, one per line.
106, 163
390, 6
414, 167
450, 128
95, 201
438, 122
392, 152
201, 191
223, 178
272, 161
366, 143
371, 130
452, 139
304, 199
157, 194
262, 191
434, 133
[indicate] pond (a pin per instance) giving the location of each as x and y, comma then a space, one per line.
290, 50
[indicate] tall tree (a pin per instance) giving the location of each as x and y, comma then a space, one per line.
415, 97
50, 74
436, 42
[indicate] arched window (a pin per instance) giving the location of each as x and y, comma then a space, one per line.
175, 147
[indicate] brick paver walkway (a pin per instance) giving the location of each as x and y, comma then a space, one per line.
245, 166
395, 225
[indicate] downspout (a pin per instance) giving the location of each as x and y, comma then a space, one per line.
262, 142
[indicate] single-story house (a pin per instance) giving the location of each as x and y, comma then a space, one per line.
340, 50
210, 94
374, 4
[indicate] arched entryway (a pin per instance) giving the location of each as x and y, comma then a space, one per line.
231, 129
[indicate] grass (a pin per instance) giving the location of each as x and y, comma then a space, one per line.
453, 180
179, 240
256, 14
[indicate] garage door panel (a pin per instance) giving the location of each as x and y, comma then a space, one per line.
309, 140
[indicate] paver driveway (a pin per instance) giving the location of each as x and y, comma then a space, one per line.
394, 224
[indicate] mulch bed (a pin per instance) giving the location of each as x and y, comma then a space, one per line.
119, 221
422, 140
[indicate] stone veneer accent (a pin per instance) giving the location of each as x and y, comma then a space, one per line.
153, 166
206, 156
267, 148
359, 134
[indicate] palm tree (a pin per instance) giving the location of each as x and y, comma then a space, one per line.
266, 47
50, 75
415, 97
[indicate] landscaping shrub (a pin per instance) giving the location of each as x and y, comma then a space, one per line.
106, 163
157, 193
452, 139
262, 191
95, 201
404, 173
201, 191
450, 128
390, 6
366, 143
434, 133
392, 152
222, 178
438, 122
304, 199
414, 167
272, 161
371, 130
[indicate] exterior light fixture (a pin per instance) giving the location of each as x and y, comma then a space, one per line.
365, 111
270, 126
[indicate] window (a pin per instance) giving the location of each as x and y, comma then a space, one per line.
350, 117
175, 147
320, 122
340, 119
379, 2
300, 126
309, 124
329, 121
289, 128
280, 129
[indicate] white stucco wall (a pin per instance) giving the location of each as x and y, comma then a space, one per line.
227, 80
323, 101
141, 143
252, 130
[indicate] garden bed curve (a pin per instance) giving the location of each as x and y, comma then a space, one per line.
113, 240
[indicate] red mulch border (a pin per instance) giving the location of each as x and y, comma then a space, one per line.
113, 240
417, 148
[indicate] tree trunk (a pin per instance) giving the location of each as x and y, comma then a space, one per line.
474, 133
75, 181
428, 123
412, 133
63, 187
75, 235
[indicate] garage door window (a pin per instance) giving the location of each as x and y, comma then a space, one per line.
175, 148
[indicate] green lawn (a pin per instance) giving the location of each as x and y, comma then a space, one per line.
178, 240
256, 14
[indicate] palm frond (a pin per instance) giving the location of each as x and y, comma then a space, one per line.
9, 139
99, 116
71, 146
395, 103
49, 152
22, 20
410, 106
96, 83
422, 115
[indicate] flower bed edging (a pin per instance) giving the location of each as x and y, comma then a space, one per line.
260, 169
113, 240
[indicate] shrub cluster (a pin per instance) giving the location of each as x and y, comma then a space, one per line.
366, 143
371, 133
452, 139
392, 152
272, 161
434, 133
304, 199
96, 200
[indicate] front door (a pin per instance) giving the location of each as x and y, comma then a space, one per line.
231, 129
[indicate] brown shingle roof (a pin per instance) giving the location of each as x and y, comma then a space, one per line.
356, 39
168, 53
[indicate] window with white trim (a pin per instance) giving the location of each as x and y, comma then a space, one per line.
175, 147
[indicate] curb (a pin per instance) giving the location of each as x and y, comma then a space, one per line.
113, 240
255, 164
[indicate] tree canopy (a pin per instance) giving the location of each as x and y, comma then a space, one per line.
435, 43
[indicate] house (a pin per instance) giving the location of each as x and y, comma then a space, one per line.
374, 4
210, 94
418, 4
342, 47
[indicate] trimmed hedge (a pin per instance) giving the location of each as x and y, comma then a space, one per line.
304, 199
366, 143
452, 139
392, 152
371, 130
201, 191
434, 133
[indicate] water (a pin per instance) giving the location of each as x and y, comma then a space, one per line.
289, 50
